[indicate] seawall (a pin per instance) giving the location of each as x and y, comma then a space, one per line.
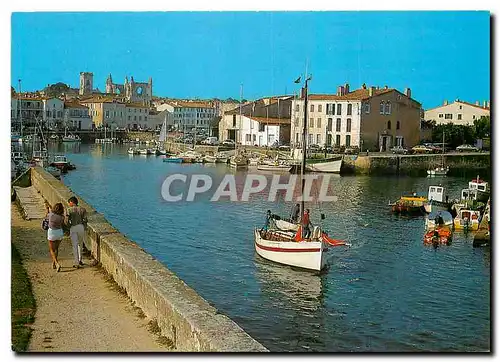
416, 165
183, 316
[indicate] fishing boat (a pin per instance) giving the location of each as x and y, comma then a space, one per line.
173, 159
409, 204
191, 156
16, 156
274, 166
290, 247
441, 235
133, 151
70, 137
210, 158
467, 219
221, 158
327, 165
480, 188
238, 161
439, 171
61, 162
15, 137
145, 151
162, 138
438, 218
160, 152
436, 200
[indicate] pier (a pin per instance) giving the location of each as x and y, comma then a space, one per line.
179, 316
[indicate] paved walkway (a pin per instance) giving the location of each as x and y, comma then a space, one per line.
32, 203
77, 309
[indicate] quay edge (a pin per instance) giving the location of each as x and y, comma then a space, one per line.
184, 317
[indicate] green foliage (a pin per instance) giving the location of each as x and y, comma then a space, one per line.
23, 305
55, 90
454, 135
482, 127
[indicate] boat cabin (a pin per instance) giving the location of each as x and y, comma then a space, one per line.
16, 155
478, 185
436, 193
469, 194
60, 159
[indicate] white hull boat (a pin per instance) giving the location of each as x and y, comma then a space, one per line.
238, 162
439, 171
71, 138
210, 159
332, 166
304, 254
275, 167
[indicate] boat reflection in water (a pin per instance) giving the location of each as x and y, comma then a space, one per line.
294, 300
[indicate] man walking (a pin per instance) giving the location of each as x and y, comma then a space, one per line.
76, 217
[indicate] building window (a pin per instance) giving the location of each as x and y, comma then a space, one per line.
459, 116
440, 115
382, 107
297, 108
234, 120
339, 124
460, 107
349, 109
320, 108
337, 140
339, 109
311, 122
388, 108
135, 118
145, 118
347, 140
398, 125
330, 108
330, 124
367, 108
348, 125
311, 139
261, 127
448, 116
140, 118
318, 139
388, 124
248, 137
312, 107
319, 123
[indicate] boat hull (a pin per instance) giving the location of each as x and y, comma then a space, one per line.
308, 255
265, 167
173, 160
328, 166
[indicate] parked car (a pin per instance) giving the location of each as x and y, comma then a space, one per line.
351, 150
284, 147
314, 148
328, 149
422, 149
228, 143
467, 148
399, 150
212, 141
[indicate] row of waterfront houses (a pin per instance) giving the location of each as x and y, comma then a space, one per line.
371, 118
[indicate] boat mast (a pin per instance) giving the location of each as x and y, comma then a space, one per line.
304, 130
239, 123
442, 156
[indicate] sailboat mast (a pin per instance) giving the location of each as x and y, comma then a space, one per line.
239, 122
303, 168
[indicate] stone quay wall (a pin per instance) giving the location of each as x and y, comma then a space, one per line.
183, 316
416, 165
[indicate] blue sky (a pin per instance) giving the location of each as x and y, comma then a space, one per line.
439, 55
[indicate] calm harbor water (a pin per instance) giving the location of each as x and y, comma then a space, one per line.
387, 292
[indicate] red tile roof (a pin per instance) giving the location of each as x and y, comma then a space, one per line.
270, 121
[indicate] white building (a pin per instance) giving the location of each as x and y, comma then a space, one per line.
331, 120
254, 131
76, 116
187, 115
53, 112
458, 112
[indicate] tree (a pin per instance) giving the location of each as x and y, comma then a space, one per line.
482, 127
55, 90
455, 135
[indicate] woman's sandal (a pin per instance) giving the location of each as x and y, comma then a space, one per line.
58, 267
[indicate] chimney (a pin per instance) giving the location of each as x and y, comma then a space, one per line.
363, 86
445, 103
477, 103
371, 91
408, 92
386, 87
487, 104
484, 104
340, 90
346, 88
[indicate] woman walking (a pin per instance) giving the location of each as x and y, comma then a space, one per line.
55, 233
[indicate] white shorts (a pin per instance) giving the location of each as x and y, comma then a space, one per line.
55, 234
